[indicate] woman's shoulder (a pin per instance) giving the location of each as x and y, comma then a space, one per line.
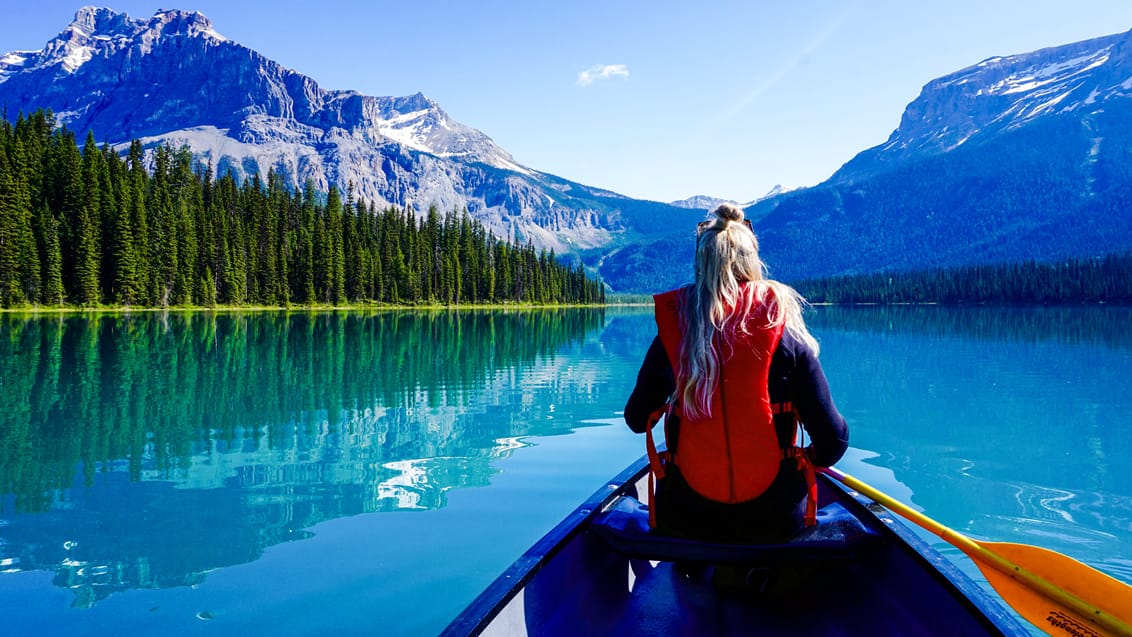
794, 346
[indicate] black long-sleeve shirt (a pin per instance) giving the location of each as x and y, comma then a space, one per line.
796, 376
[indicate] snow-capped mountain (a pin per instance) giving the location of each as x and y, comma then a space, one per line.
707, 202
173, 79
699, 202
1003, 94
1016, 158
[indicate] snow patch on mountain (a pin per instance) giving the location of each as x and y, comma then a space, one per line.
174, 80
1001, 94
699, 202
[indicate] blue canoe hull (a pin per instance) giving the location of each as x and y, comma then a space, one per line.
877, 578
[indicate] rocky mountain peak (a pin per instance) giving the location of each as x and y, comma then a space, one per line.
91, 21
177, 22
1001, 94
172, 80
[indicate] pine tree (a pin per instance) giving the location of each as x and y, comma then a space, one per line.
64, 195
304, 270
208, 225
135, 203
163, 257
187, 200
88, 249
125, 286
337, 255
10, 252
52, 260
29, 274
279, 205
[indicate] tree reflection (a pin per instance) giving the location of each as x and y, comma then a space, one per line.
126, 439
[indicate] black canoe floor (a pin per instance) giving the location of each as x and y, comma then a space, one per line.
876, 577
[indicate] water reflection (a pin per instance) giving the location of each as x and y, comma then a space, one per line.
1069, 325
1011, 424
145, 450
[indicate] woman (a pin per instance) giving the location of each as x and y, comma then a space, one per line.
734, 368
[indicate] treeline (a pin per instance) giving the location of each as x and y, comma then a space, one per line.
90, 227
1101, 280
1068, 324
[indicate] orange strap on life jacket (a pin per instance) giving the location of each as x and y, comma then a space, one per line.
656, 463
810, 472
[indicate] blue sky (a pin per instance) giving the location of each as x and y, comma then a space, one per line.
653, 99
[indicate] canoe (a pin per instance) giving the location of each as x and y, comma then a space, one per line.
860, 571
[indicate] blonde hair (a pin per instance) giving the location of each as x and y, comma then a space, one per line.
727, 255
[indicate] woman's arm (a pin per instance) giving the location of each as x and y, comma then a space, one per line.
655, 383
829, 434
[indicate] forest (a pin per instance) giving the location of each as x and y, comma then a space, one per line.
1101, 280
90, 228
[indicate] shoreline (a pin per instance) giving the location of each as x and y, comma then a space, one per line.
65, 310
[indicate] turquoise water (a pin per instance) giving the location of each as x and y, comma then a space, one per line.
370, 473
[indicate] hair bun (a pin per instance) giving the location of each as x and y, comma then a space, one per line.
729, 212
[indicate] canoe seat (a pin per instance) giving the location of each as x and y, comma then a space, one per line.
624, 526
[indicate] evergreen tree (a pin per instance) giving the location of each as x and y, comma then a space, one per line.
187, 200
335, 250
137, 186
29, 274
10, 252
52, 260
163, 257
125, 286
88, 249
303, 273
65, 199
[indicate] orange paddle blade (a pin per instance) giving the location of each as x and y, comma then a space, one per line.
1110, 599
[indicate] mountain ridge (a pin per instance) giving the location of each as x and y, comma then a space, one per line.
1015, 158
174, 80
1000, 94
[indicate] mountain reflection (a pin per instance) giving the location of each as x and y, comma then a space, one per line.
125, 440
1006, 422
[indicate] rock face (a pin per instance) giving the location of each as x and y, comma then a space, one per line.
1003, 94
172, 79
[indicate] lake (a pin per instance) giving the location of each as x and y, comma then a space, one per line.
370, 472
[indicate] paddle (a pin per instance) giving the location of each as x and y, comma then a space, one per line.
1054, 592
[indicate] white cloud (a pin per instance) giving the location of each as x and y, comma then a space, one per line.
602, 72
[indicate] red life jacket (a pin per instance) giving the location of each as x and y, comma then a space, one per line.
734, 454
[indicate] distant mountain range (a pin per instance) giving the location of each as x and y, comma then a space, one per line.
1015, 158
